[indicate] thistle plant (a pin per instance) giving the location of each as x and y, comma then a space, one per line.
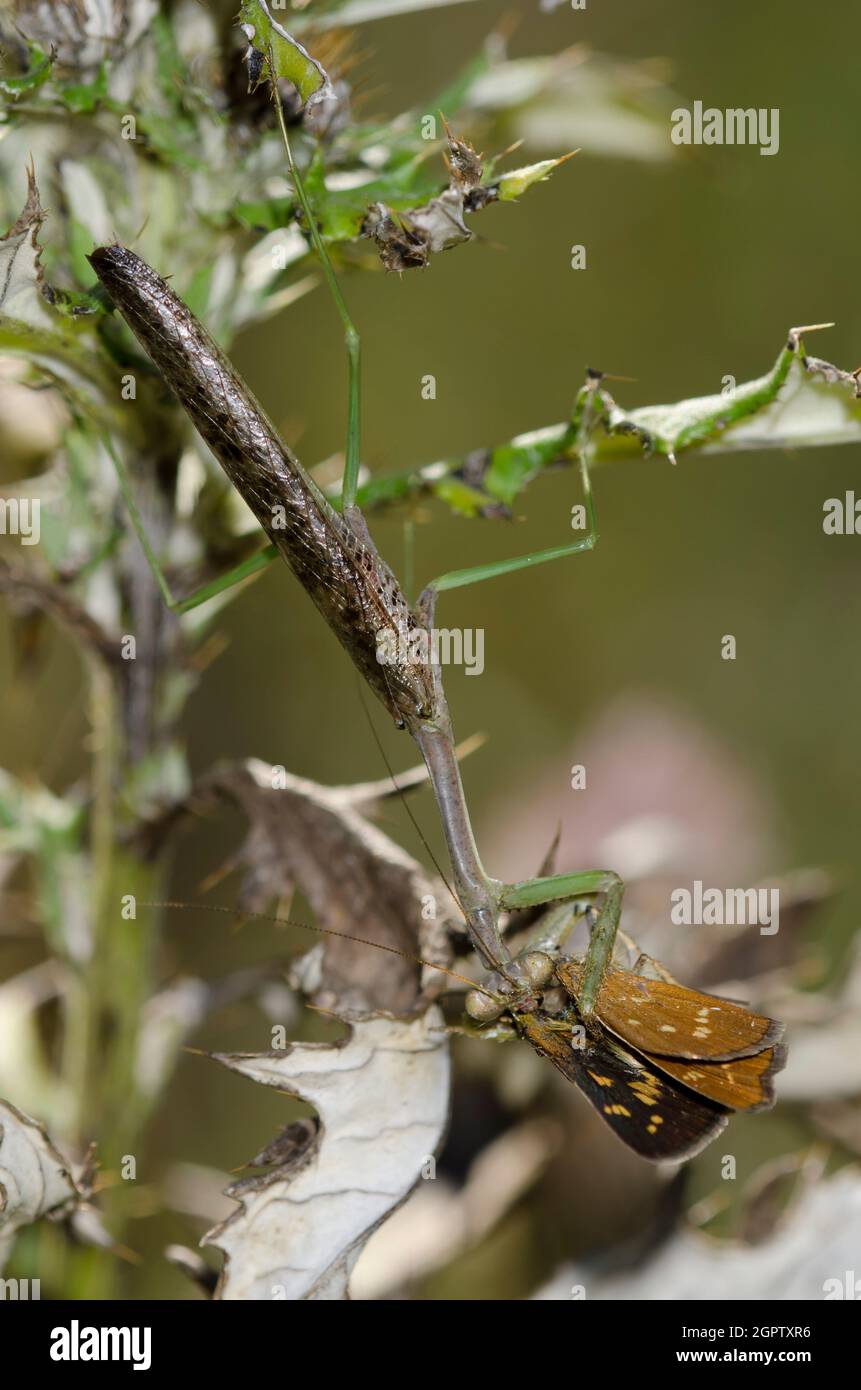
235, 159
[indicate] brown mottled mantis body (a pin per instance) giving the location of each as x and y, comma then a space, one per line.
335, 559
332, 553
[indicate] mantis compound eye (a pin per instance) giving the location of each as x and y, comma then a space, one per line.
484, 1008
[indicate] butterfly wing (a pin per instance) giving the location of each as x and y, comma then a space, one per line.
745, 1083
657, 1016
656, 1119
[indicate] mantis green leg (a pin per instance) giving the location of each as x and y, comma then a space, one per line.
555, 925
577, 443
352, 453
252, 565
534, 891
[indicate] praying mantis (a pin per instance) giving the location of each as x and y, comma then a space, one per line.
724, 1055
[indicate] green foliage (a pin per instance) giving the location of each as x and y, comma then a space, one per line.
272, 48
37, 70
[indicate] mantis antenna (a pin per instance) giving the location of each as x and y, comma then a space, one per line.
172, 906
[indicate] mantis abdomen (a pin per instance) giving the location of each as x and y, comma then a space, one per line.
332, 555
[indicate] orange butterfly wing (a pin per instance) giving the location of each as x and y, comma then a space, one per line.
745, 1083
666, 1019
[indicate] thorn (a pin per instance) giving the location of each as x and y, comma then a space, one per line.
125, 1252
594, 374
516, 144
326, 1013
491, 245
812, 328
217, 876
506, 28
549, 861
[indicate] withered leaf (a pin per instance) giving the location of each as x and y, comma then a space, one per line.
382, 1099
358, 881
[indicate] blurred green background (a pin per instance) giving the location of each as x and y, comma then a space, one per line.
697, 266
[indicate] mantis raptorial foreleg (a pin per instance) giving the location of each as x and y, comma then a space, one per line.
561, 887
555, 925
558, 888
352, 456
